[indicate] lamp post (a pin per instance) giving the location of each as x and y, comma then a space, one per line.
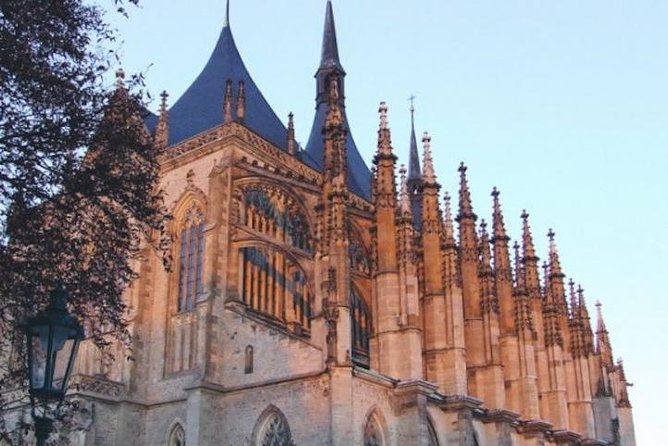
53, 337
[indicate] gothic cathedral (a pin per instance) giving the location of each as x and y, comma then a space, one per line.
314, 301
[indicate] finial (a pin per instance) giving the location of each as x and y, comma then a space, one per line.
411, 98
428, 174
120, 78
163, 101
227, 15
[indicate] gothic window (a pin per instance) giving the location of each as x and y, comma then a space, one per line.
373, 433
272, 429
191, 256
270, 212
177, 437
275, 286
360, 327
248, 360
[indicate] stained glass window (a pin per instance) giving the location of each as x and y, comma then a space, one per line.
274, 431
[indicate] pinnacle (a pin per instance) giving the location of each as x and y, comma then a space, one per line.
485, 252
465, 206
428, 174
527, 238
499, 225
447, 219
384, 139
226, 24
404, 201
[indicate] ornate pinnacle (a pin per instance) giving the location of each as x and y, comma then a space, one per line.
485, 252
555, 264
465, 206
227, 102
499, 225
241, 102
162, 129
573, 299
520, 281
334, 115
384, 138
449, 230
404, 201
527, 239
428, 174
292, 146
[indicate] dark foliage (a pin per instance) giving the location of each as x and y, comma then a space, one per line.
78, 174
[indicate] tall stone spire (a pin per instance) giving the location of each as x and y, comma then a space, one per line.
414, 173
359, 176
558, 290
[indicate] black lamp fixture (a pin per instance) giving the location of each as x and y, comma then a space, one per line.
53, 338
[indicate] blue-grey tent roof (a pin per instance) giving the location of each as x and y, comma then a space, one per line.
201, 106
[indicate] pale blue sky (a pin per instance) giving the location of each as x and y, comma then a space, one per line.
560, 104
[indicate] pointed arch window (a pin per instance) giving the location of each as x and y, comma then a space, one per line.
191, 259
177, 437
272, 429
373, 432
360, 327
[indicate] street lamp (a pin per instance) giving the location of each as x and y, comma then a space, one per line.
53, 337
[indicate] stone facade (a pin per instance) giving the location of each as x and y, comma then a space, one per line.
306, 308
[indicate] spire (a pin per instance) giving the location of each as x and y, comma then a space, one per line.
583, 314
330, 49
226, 24
414, 173
414, 182
573, 300
428, 174
359, 175
161, 136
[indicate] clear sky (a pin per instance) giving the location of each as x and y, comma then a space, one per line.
563, 105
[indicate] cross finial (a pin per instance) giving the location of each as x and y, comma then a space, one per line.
411, 98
